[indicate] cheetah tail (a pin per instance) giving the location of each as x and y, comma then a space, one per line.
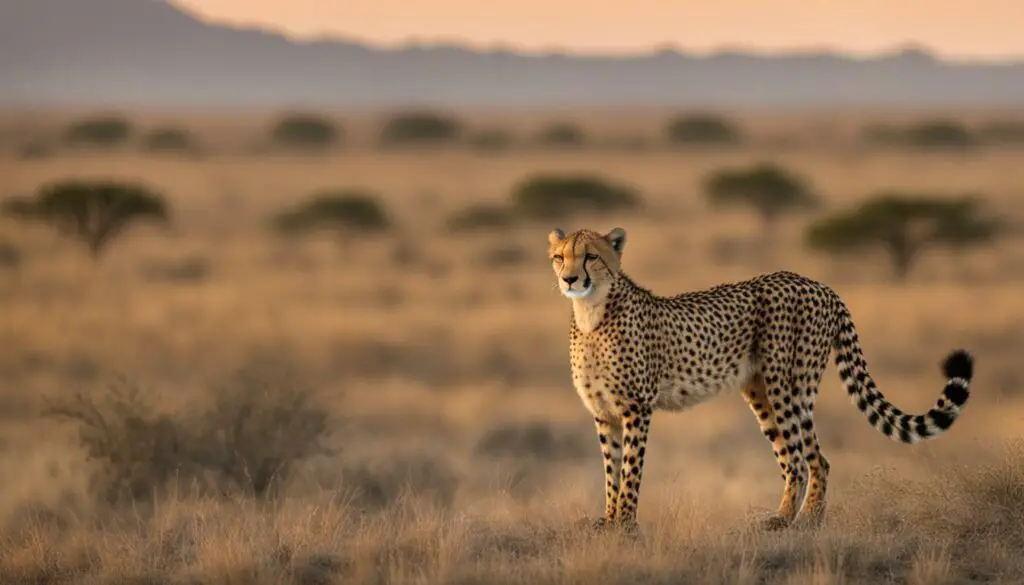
958, 367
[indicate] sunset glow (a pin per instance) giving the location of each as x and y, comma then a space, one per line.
982, 28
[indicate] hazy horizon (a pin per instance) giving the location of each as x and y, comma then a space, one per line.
988, 30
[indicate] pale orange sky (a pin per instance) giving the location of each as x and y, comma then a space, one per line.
960, 28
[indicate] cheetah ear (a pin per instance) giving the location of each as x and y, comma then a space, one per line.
617, 239
556, 235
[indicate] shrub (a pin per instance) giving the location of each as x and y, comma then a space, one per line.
562, 134
938, 134
904, 225
420, 128
305, 131
555, 197
254, 433
702, 129
103, 131
248, 439
174, 140
769, 190
348, 211
480, 217
92, 212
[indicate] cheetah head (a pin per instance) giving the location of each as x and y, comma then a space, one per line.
586, 262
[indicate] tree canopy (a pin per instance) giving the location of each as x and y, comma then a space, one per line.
904, 225
93, 212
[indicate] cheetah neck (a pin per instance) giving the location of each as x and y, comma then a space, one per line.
588, 314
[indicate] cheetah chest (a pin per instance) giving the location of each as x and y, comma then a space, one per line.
592, 371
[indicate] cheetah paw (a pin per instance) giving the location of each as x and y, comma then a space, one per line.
775, 523
599, 524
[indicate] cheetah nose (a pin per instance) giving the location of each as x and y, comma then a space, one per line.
570, 279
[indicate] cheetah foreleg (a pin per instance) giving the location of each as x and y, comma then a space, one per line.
636, 424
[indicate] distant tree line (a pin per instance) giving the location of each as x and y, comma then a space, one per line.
307, 132
944, 134
902, 225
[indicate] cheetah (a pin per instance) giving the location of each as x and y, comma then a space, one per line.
633, 353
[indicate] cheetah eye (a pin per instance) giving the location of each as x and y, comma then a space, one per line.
557, 258
591, 257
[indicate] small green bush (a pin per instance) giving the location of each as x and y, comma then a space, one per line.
940, 134
92, 212
480, 217
349, 211
102, 131
702, 130
562, 134
306, 131
926, 135
170, 140
555, 197
420, 129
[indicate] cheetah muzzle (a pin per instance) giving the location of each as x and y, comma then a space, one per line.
633, 353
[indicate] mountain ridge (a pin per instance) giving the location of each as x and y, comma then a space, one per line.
147, 52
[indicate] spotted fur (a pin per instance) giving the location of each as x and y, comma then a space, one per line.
633, 352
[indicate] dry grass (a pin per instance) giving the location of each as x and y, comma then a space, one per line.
408, 399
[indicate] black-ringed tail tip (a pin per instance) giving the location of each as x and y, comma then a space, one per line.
959, 369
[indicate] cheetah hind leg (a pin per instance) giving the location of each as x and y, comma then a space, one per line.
757, 398
812, 512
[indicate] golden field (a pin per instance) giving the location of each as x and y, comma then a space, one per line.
456, 450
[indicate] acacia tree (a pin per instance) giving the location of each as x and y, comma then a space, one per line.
306, 131
905, 225
92, 212
348, 213
766, 188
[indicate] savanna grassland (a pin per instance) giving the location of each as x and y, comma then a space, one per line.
210, 402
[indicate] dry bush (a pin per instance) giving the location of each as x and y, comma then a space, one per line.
247, 439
